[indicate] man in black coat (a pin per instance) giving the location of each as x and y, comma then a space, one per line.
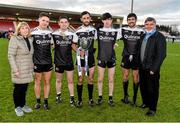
152, 55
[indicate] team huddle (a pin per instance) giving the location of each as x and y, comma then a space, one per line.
32, 50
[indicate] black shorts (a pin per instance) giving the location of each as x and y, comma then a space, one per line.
62, 68
109, 64
91, 61
42, 68
134, 64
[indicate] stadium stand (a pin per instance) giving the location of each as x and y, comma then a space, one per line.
6, 25
12, 14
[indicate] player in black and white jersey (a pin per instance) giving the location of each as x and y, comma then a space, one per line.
42, 59
64, 42
86, 32
107, 37
131, 36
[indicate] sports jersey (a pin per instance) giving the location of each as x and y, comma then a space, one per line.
42, 40
106, 39
131, 38
63, 49
89, 33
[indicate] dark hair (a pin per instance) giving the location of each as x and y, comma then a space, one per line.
132, 15
106, 16
42, 14
63, 17
150, 19
84, 13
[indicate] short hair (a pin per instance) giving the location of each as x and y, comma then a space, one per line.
63, 17
84, 13
106, 16
19, 26
150, 19
42, 14
132, 15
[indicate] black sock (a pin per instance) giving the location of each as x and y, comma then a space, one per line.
90, 91
46, 101
71, 98
100, 97
38, 100
58, 95
79, 91
110, 97
135, 88
125, 87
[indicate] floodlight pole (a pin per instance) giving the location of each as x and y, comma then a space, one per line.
132, 3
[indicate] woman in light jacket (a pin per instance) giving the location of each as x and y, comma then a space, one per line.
20, 53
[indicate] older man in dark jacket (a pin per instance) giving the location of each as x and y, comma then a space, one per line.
152, 55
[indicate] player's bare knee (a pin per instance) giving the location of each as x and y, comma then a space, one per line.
111, 81
37, 82
47, 82
70, 81
135, 81
58, 81
125, 75
37, 79
80, 81
135, 78
90, 80
100, 80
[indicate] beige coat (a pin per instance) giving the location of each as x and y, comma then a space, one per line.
20, 59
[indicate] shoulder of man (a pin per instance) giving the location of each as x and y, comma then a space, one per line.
79, 28
159, 34
34, 29
140, 29
56, 32
92, 27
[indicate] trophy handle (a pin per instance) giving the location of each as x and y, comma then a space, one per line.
82, 57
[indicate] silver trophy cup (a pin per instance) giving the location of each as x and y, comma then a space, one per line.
84, 45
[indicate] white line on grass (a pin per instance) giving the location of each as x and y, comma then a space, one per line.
173, 54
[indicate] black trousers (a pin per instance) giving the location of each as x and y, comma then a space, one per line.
149, 87
19, 94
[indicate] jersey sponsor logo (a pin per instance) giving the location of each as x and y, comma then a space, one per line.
63, 43
131, 37
43, 42
106, 38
